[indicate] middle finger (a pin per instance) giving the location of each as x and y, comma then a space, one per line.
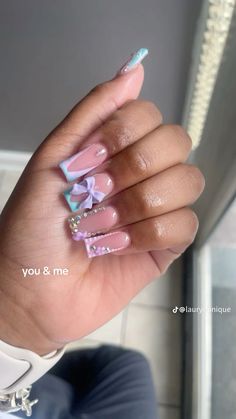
176, 187
162, 148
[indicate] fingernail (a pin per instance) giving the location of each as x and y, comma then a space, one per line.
91, 190
84, 161
90, 223
135, 59
107, 243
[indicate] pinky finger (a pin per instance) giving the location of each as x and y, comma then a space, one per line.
173, 231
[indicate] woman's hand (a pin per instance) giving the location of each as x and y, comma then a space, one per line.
146, 190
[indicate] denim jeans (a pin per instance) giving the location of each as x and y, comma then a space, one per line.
102, 383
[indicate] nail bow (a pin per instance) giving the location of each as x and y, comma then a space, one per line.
87, 186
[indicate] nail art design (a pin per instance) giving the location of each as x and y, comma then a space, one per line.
84, 161
107, 243
91, 223
133, 61
91, 190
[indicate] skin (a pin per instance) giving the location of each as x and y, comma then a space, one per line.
152, 190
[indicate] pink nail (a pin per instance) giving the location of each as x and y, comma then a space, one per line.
84, 161
90, 223
91, 190
107, 243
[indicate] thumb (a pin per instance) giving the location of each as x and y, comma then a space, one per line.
90, 113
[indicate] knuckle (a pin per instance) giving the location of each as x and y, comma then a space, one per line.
140, 202
140, 109
151, 109
99, 88
195, 178
180, 135
178, 131
129, 103
120, 133
103, 89
139, 162
142, 162
158, 231
192, 224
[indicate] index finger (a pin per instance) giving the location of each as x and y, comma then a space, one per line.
89, 114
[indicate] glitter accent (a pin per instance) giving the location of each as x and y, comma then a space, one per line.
99, 250
93, 250
75, 221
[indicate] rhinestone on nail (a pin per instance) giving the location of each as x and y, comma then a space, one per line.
106, 249
75, 221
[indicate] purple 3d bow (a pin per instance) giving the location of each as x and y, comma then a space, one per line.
87, 186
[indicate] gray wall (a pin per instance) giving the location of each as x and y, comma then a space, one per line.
53, 52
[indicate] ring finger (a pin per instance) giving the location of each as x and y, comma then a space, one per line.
164, 147
176, 187
176, 229
126, 126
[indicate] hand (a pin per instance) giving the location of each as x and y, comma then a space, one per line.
149, 188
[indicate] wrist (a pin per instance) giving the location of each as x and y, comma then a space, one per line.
20, 332
17, 327
25, 338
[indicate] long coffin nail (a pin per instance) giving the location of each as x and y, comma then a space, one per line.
91, 190
90, 223
133, 61
107, 243
84, 161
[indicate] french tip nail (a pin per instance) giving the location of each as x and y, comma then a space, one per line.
135, 59
106, 243
84, 161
